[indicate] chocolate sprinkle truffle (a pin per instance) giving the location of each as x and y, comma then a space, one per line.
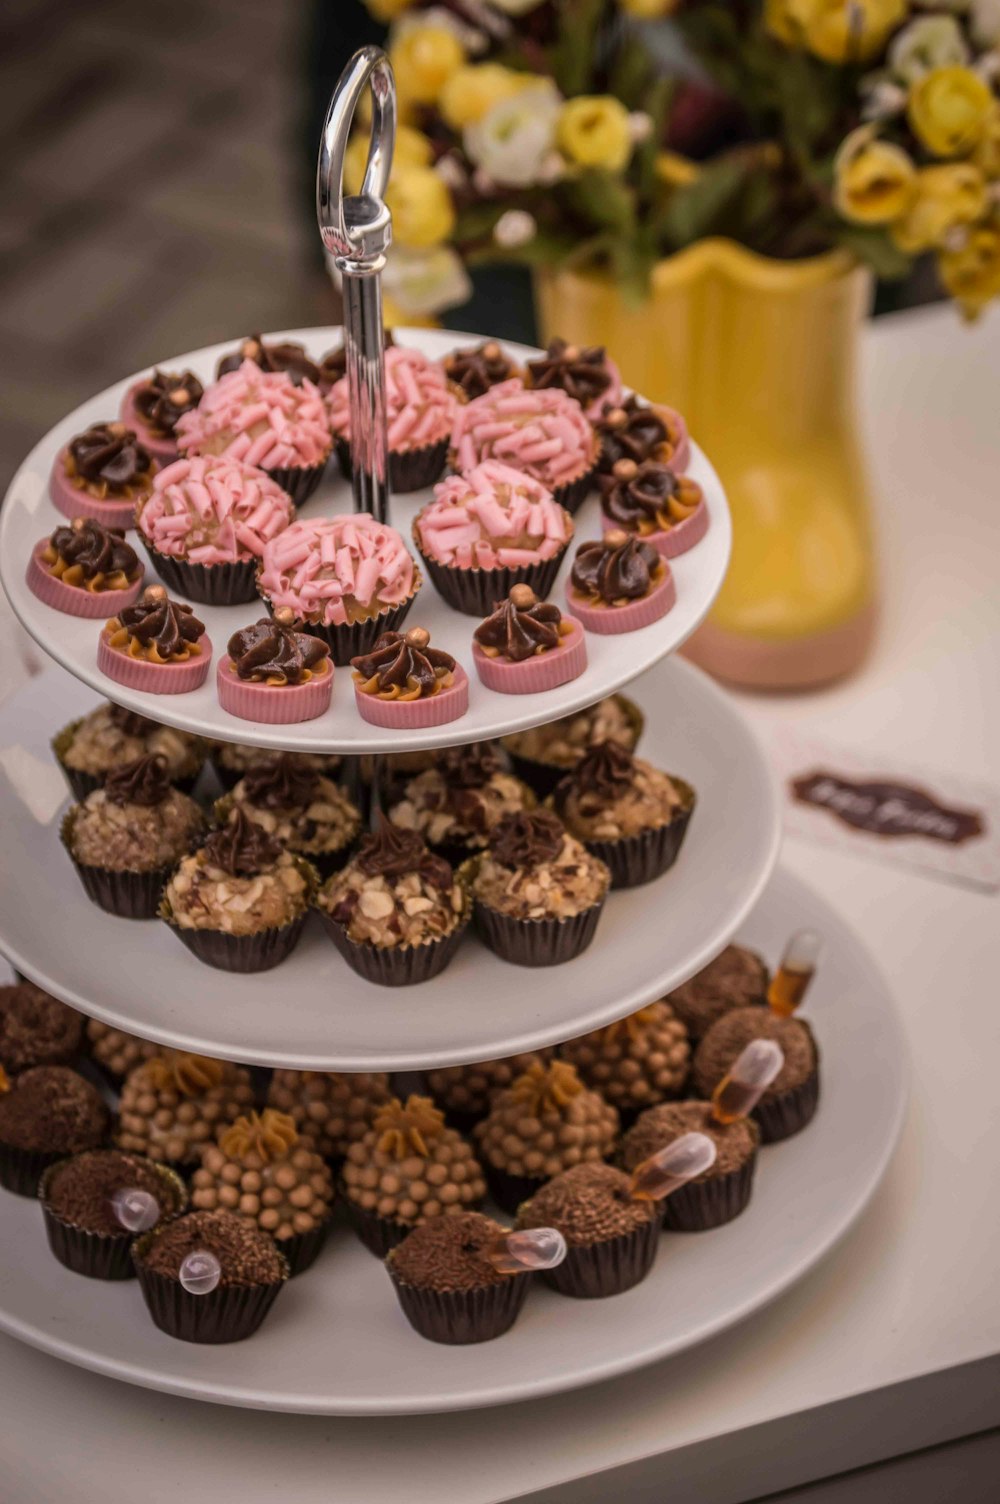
36, 1029
611, 1238
447, 1286
81, 1222
46, 1113
722, 1191
736, 978
790, 1101
252, 1273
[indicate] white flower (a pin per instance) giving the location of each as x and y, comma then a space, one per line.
640, 126
473, 41
514, 228
515, 137
882, 99
451, 172
422, 283
929, 42
984, 19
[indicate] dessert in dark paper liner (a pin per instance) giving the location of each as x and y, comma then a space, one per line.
408, 1144
615, 718
208, 584
452, 1282
107, 1253
737, 978
244, 851
81, 782
591, 793
395, 948
279, 792
790, 1101
229, 1312
46, 1114
720, 1193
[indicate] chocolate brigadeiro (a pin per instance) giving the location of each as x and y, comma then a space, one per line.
790, 1102
736, 978
447, 1285
723, 1190
182, 1298
45, 1114
36, 1029
88, 1229
611, 1236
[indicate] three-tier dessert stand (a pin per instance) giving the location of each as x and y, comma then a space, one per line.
336, 1343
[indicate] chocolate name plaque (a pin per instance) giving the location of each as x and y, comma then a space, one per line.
888, 809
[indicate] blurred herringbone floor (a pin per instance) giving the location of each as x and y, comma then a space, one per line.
152, 196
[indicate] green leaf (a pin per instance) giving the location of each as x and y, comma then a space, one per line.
573, 55
698, 210
876, 249
601, 198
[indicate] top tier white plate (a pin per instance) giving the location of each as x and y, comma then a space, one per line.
29, 515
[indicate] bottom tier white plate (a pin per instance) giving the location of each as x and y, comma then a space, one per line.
337, 1344
314, 1013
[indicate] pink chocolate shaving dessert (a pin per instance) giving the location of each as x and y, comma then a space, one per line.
212, 509
259, 417
419, 405
543, 433
334, 570
493, 517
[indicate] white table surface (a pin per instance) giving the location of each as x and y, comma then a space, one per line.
891, 1345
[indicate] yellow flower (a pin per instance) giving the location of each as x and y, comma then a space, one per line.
949, 109
675, 170
648, 10
423, 59
388, 10
951, 194
875, 182
971, 274
839, 31
987, 153
422, 210
475, 88
412, 150
593, 131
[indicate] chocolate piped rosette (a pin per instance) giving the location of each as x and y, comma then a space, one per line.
396, 912
85, 569
302, 809
627, 812
545, 434
651, 502
474, 369
456, 804
102, 473
273, 674
404, 682
125, 838
93, 746
619, 584
526, 645
153, 407
544, 754
205, 524
631, 430
346, 579
490, 529
584, 372
240, 901
420, 407
537, 891
275, 355
157, 644
262, 418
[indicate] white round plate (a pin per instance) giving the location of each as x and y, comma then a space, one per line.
29, 515
337, 1344
314, 1012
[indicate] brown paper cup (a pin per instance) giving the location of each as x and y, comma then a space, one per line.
592, 1271
101, 1255
298, 481
639, 859
458, 1317
209, 584
130, 895
790, 1112
396, 966
231, 1313
536, 942
703, 1204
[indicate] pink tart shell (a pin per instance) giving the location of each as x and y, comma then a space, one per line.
72, 501
544, 671
605, 620
669, 542
681, 457
74, 600
273, 704
162, 448
411, 715
155, 678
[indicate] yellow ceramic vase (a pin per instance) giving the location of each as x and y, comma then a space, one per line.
759, 356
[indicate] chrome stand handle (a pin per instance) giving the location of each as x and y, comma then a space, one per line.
357, 232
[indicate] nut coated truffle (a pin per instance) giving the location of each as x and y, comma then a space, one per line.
262, 1170
172, 1106
410, 1167
545, 1122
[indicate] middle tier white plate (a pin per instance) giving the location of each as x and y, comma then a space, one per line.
313, 1012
